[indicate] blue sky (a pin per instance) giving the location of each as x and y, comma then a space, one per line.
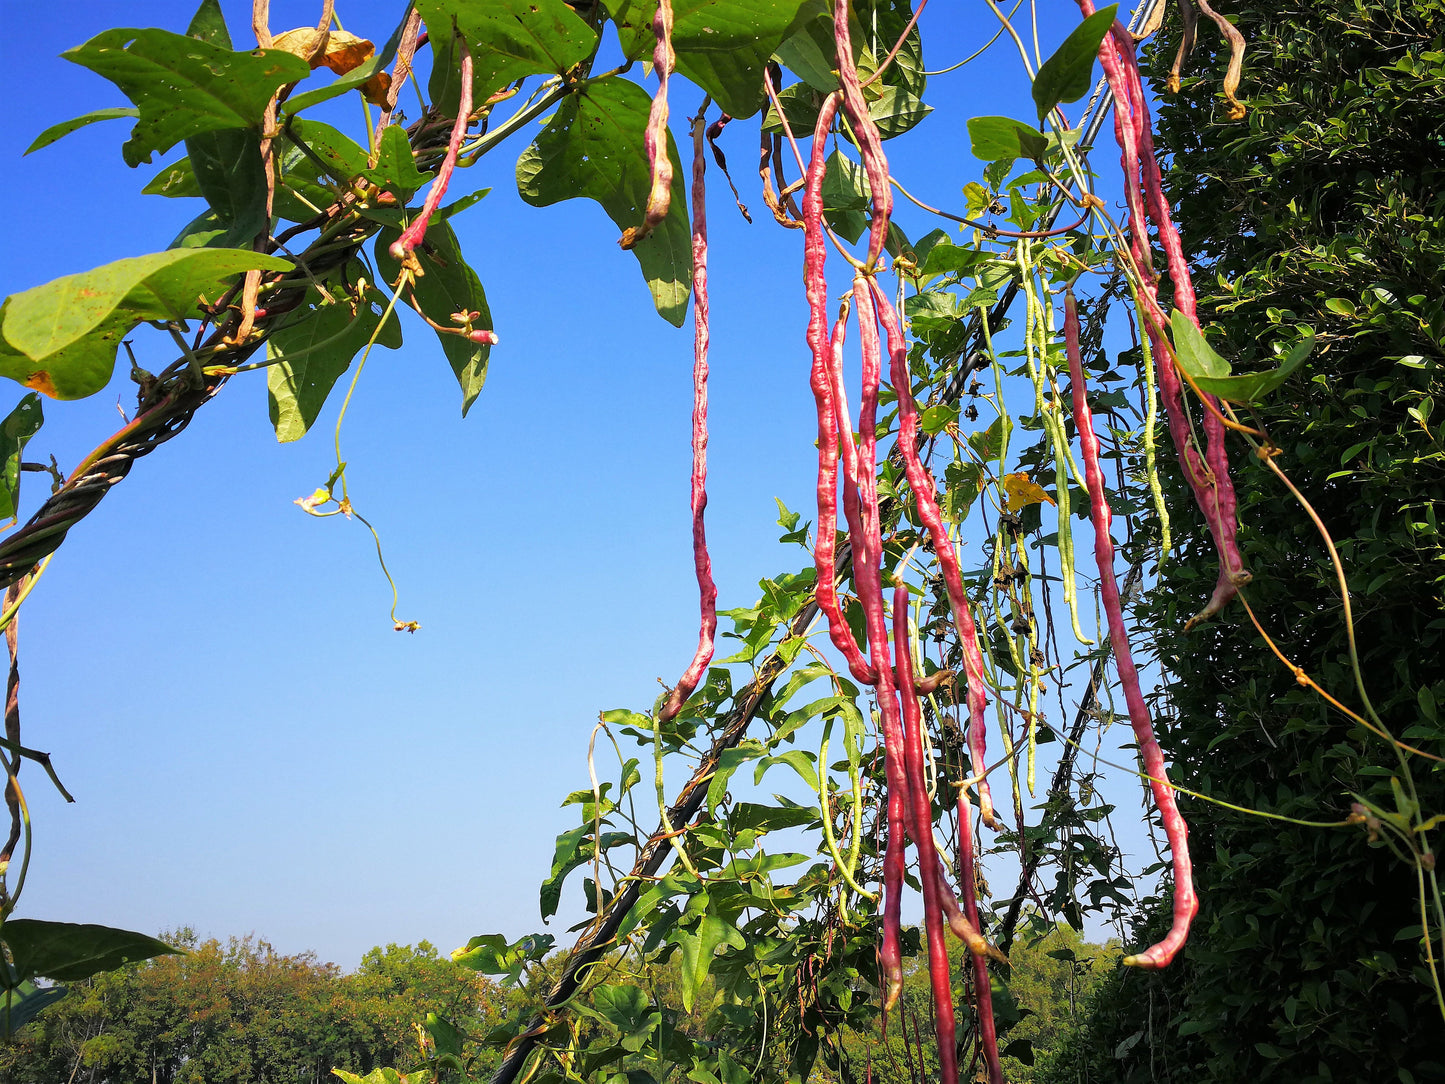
252, 746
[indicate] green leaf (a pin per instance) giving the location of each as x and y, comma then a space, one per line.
448, 285
574, 847
1065, 76
232, 177
490, 954
1196, 357
445, 1035
183, 86
65, 127
811, 53
721, 45
1252, 387
173, 181
15, 432
698, 946
71, 951
593, 147
209, 24
1000, 138
896, 111
19, 1005
509, 39
395, 168
992, 443
797, 759
629, 1010
946, 258
343, 156
324, 344
729, 761
801, 104
61, 338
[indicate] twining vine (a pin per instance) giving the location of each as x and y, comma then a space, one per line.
944, 619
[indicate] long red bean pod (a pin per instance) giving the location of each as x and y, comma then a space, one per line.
707, 590
982, 989
925, 494
895, 862
659, 196
870, 145
920, 815
1186, 903
411, 237
830, 404
1208, 477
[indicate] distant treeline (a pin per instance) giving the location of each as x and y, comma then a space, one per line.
241, 1013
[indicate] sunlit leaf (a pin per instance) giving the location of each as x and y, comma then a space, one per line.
1065, 76
395, 169
71, 951
509, 39
324, 345
19, 426
61, 338
722, 45
998, 138
448, 285
183, 86
65, 127
594, 147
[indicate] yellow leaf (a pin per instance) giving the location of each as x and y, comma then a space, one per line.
1022, 492
336, 49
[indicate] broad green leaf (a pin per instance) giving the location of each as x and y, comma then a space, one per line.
447, 286
509, 39
1196, 357
18, 1006
810, 52
797, 759
846, 196
1065, 76
1212, 373
992, 443
946, 258
173, 181
801, 104
323, 344
352, 79
395, 168
343, 156
445, 1035
232, 178
206, 230
183, 86
209, 24
628, 1009
593, 147
698, 946
491, 954
722, 45
573, 849
61, 338
71, 951
729, 761
65, 127
896, 111
19, 426
998, 138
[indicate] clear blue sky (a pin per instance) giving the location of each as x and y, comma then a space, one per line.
252, 746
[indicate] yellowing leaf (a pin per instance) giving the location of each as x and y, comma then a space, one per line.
377, 90
336, 49
1022, 492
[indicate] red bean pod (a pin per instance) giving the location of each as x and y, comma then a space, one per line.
659, 196
870, 145
702, 562
920, 813
982, 988
925, 494
402, 248
1186, 903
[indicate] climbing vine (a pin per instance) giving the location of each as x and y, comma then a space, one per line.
953, 469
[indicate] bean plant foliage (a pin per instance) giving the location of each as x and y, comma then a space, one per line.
970, 418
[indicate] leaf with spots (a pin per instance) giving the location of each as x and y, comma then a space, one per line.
509, 39
61, 338
722, 45
19, 426
594, 147
183, 86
